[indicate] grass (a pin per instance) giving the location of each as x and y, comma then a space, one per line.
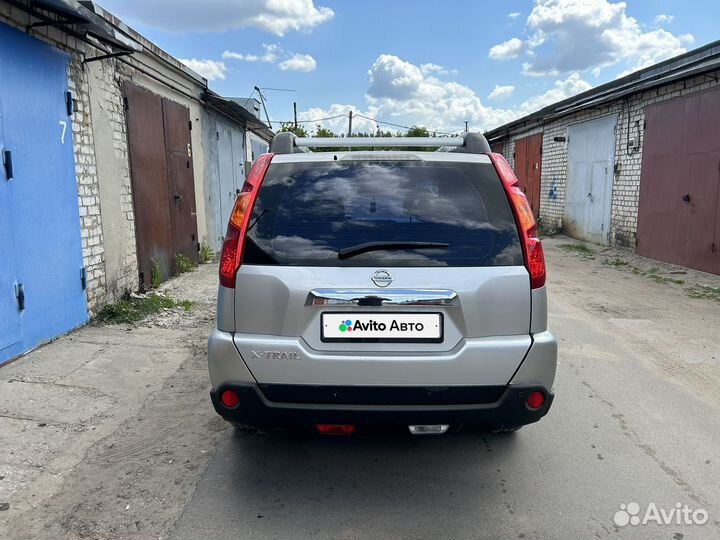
617, 262
663, 280
134, 309
183, 264
206, 254
580, 249
704, 291
155, 275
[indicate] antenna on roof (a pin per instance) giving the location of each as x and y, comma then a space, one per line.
262, 100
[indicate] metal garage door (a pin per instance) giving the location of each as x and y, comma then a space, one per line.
588, 195
679, 209
162, 180
231, 167
183, 216
41, 265
528, 162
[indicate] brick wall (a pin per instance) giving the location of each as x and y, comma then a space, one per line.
106, 79
87, 179
626, 183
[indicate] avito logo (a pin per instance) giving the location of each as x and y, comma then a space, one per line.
374, 326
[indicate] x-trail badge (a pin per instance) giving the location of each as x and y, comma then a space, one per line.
382, 278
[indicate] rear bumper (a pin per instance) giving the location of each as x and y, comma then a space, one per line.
508, 410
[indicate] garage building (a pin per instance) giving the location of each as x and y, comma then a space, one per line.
633, 163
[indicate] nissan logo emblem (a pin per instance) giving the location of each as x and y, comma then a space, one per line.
382, 278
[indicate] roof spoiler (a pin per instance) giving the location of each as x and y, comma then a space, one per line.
470, 143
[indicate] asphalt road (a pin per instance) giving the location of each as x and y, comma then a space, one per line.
635, 419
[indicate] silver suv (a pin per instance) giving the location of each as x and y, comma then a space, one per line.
401, 287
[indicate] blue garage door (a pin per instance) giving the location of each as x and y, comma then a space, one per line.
41, 291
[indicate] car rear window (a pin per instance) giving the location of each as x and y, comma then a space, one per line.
306, 213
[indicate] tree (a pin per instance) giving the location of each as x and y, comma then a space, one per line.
323, 132
417, 131
289, 126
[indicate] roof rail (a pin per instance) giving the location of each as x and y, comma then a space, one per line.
289, 143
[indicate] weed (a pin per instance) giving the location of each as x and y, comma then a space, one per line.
183, 264
663, 280
704, 291
617, 262
132, 309
155, 275
206, 254
580, 249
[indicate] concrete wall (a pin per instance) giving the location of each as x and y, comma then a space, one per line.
626, 183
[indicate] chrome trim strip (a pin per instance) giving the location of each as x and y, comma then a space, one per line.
382, 297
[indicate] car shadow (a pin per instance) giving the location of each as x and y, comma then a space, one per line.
405, 479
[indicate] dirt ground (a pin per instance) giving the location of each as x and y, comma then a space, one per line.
108, 431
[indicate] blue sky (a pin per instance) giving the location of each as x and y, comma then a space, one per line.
418, 62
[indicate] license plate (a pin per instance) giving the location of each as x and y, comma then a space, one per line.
364, 326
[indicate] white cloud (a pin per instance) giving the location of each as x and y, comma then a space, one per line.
664, 19
339, 120
576, 35
430, 68
512, 48
272, 51
274, 16
210, 69
298, 62
399, 92
229, 55
514, 15
571, 86
273, 54
500, 93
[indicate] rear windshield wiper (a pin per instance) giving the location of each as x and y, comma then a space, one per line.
351, 251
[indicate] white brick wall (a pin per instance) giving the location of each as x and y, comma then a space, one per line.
626, 184
107, 89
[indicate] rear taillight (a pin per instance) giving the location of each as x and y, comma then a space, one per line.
237, 227
532, 248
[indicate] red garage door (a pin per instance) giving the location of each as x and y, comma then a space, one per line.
679, 212
528, 162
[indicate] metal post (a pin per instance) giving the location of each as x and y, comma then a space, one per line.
349, 134
295, 113
466, 126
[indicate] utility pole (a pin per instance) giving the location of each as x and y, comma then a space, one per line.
295, 113
262, 100
466, 126
349, 134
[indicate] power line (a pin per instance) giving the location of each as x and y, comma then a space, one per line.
358, 115
310, 121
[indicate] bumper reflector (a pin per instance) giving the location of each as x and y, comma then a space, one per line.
535, 400
335, 429
429, 429
230, 399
